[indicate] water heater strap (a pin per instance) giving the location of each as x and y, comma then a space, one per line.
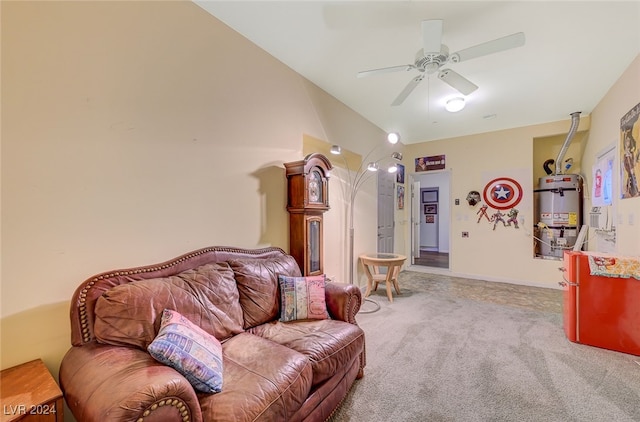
555, 190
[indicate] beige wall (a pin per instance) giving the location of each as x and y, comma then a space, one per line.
605, 130
504, 254
134, 132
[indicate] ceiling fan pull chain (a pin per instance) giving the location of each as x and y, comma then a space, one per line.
429, 97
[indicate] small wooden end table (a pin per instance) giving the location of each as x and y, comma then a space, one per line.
374, 261
29, 393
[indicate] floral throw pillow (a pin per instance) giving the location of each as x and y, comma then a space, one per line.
190, 350
302, 298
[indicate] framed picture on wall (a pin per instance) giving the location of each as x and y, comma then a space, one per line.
430, 208
432, 162
628, 151
400, 174
400, 197
429, 196
430, 218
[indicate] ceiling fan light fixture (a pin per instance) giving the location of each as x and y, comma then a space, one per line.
393, 137
373, 166
454, 104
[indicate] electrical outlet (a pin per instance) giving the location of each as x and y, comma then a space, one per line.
457, 202
465, 234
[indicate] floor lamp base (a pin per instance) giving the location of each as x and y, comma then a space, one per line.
376, 307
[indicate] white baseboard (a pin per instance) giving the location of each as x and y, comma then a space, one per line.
445, 271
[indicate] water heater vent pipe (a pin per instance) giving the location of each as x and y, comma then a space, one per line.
575, 120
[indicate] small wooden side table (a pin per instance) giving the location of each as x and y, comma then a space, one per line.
392, 261
29, 393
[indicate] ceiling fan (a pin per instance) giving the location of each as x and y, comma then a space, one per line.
434, 55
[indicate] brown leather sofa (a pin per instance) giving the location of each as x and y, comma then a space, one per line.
273, 371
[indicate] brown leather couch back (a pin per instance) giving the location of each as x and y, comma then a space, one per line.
258, 287
130, 314
86, 295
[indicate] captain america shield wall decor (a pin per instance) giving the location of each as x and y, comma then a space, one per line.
502, 193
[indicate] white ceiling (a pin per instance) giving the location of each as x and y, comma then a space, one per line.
574, 52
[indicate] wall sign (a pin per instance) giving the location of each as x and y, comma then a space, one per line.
433, 162
502, 193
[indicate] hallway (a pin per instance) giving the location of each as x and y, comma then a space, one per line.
432, 259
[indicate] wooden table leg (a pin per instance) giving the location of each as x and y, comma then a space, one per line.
388, 282
396, 273
369, 279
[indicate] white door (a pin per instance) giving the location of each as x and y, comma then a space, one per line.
415, 219
386, 202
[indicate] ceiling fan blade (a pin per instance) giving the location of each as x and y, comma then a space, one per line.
431, 36
457, 81
385, 70
489, 47
407, 90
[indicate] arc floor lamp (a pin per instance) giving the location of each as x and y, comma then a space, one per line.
355, 180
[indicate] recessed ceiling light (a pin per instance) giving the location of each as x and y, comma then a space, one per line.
454, 104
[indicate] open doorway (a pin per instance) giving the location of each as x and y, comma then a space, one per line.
431, 219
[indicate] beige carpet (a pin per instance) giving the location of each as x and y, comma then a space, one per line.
451, 349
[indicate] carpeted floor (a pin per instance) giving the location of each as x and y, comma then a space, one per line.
452, 349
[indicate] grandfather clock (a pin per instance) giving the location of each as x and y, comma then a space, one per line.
307, 200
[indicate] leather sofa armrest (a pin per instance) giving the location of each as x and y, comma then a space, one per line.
343, 301
113, 383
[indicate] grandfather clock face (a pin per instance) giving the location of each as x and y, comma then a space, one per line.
315, 187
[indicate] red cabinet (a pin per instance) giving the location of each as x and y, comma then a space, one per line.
598, 310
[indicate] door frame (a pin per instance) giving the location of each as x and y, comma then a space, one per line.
414, 234
414, 229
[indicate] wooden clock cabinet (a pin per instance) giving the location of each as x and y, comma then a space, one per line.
307, 201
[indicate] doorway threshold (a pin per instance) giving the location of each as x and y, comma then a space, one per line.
429, 270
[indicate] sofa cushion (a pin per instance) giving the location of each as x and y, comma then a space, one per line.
302, 298
328, 344
258, 286
189, 350
129, 314
262, 381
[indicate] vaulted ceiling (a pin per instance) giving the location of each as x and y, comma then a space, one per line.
573, 52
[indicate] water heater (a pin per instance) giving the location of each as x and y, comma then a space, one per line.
559, 214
